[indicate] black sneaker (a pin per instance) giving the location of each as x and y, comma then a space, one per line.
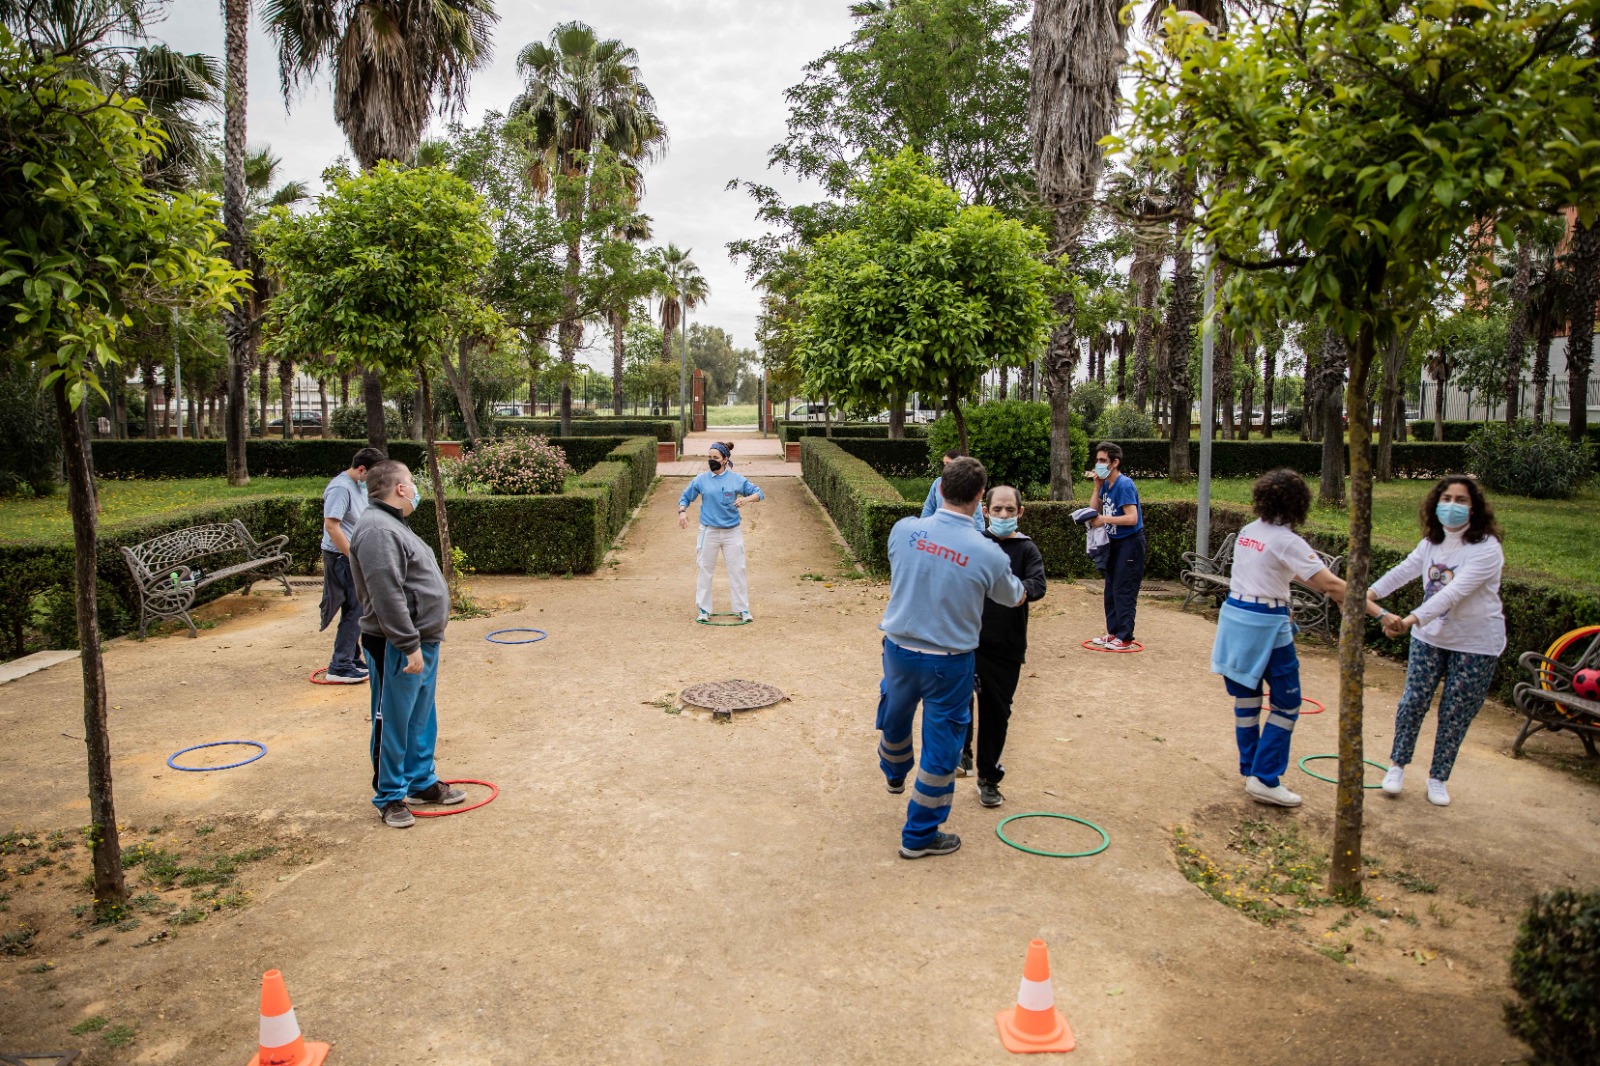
989, 793
965, 769
397, 815
896, 786
942, 844
438, 792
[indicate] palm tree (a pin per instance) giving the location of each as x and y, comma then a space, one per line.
580, 93
630, 282
1140, 199
1073, 95
682, 289
236, 318
391, 60
261, 169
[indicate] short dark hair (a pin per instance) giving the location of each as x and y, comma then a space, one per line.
963, 481
382, 478
952, 454
1281, 497
367, 457
1482, 523
1113, 451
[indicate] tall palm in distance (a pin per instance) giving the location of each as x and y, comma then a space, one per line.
681, 288
393, 63
1140, 200
262, 194
582, 92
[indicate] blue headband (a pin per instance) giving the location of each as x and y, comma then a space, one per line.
727, 452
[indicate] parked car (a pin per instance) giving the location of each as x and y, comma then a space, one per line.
302, 420
811, 412
508, 410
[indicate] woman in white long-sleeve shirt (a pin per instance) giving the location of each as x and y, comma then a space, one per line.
1457, 632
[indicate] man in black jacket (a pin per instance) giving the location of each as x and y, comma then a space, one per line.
1002, 644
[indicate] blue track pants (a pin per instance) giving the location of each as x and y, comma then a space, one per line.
943, 685
1264, 746
405, 722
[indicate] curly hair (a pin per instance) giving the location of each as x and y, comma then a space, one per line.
1482, 523
1281, 497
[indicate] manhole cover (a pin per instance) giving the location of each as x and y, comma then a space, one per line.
725, 697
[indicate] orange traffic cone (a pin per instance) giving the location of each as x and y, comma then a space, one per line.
1033, 1024
281, 1043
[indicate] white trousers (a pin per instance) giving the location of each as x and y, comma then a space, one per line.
730, 542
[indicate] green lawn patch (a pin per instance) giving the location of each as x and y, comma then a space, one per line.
130, 502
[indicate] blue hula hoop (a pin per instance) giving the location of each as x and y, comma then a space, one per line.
217, 744
535, 640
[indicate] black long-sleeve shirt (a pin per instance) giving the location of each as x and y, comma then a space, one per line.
1005, 629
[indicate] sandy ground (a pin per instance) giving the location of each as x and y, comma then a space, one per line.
657, 887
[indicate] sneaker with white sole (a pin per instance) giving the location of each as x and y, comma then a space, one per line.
941, 844
989, 793
438, 792
746, 616
1116, 644
1438, 795
344, 679
895, 786
397, 815
1100, 642
1276, 796
1394, 780
704, 616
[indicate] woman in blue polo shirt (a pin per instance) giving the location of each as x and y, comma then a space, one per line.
722, 493
1117, 499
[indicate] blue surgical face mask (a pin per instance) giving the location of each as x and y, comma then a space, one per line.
1453, 515
1102, 470
1002, 527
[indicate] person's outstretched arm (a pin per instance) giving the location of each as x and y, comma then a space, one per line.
1405, 572
931, 504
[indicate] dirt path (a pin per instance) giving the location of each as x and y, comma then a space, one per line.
653, 887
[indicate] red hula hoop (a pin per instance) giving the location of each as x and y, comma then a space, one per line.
1090, 645
494, 790
324, 670
1318, 704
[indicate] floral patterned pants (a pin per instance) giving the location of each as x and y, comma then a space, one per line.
1466, 682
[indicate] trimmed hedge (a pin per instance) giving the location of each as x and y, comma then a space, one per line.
891, 458
569, 533
152, 460
1458, 431
865, 507
1252, 458
794, 431
659, 428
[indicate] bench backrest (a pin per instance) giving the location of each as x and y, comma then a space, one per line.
158, 556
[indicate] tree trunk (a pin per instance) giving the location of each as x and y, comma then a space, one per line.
1059, 360
459, 379
236, 317
322, 400
264, 391
1222, 379
286, 395
1122, 371
447, 562
110, 890
1179, 328
619, 323
897, 415
147, 369
1394, 362
1004, 383
569, 331
1269, 381
372, 397
1331, 371
1580, 333
1438, 407
1247, 395
1541, 372
1517, 328
344, 390
1345, 875
827, 416
961, 419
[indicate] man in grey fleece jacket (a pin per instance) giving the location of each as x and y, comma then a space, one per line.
405, 606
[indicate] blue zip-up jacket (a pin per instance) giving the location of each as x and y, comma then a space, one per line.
941, 571
935, 501
717, 493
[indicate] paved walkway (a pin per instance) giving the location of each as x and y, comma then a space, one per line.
753, 457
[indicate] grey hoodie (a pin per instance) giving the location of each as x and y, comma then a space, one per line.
403, 595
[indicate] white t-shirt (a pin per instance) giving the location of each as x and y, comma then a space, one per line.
1460, 608
1267, 557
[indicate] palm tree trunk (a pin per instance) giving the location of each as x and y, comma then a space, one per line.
265, 392
110, 890
1541, 371
286, 395
236, 318
1222, 382
1122, 371
1179, 330
1517, 328
1580, 333
446, 556
1247, 395
619, 323
1269, 381
567, 334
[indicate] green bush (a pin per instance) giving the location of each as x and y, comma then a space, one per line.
350, 422
891, 458
1089, 399
659, 428
796, 431
153, 460
1123, 421
31, 457
1012, 440
1555, 972
1252, 458
1458, 431
514, 465
1529, 460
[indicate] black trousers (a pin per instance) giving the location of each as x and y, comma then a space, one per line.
996, 688
1124, 573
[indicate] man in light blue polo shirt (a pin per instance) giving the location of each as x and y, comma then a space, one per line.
935, 498
941, 571
343, 501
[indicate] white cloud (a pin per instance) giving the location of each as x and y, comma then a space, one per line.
718, 69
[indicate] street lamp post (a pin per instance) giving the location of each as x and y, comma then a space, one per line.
1208, 414
683, 366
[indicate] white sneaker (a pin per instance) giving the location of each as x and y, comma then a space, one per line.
704, 616
1276, 796
1394, 780
1101, 642
746, 616
1438, 795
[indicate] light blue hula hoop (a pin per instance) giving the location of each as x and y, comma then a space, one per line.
535, 640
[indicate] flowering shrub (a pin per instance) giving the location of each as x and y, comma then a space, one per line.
511, 466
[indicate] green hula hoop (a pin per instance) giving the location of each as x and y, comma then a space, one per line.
722, 614
1332, 780
1105, 838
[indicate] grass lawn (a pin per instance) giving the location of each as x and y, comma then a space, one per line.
123, 502
1550, 538
733, 414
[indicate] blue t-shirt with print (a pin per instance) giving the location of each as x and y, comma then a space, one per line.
1116, 496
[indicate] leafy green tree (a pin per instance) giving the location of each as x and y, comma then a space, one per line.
83, 239
378, 278
1349, 144
711, 350
922, 295
582, 94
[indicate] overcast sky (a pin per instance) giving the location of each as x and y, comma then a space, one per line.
718, 69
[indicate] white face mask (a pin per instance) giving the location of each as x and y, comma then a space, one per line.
414, 499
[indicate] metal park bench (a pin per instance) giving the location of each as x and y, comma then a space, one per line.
1311, 609
168, 585
1208, 576
1548, 701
